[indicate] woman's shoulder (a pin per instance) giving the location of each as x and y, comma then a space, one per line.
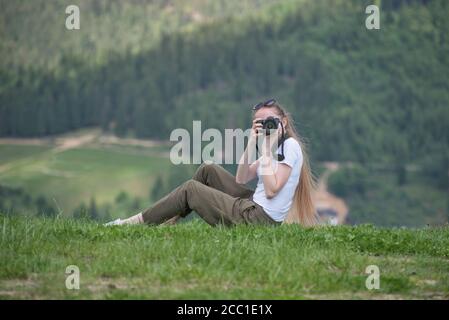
292, 143
292, 148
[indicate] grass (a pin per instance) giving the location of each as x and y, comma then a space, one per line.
195, 261
77, 175
12, 153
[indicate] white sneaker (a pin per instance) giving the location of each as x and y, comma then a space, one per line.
115, 222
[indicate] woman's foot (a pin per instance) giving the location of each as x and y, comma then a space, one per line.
115, 222
137, 219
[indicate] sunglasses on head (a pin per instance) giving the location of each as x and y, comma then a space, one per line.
267, 103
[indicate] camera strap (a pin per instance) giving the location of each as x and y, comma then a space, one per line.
281, 156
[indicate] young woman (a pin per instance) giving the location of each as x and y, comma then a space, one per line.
282, 195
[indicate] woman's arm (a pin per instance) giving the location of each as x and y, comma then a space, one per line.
273, 180
247, 171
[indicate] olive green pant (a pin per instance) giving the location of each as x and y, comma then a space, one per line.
214, 195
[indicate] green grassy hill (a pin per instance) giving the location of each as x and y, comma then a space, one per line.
195, 261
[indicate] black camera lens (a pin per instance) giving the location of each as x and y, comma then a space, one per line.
270, 123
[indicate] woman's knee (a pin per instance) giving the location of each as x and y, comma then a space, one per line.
209, 166
206, 168
192, 187
195, 194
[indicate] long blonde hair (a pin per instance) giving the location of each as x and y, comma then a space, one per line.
302, 210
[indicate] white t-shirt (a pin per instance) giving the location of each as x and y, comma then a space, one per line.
278, 206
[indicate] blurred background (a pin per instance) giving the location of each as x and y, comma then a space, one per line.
86, 115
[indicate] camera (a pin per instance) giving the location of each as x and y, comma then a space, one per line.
269, 123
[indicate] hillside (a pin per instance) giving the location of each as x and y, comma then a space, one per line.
101, 176
80, 171
195, 261
344, 84
373, 101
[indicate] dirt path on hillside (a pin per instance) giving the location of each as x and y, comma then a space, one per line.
111, 139
325, 200
26, 141
67, 143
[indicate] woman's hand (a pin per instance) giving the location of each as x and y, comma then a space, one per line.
258, 135
256, 131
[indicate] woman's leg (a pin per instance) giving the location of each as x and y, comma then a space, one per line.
212, 205
211, 175
217, 177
